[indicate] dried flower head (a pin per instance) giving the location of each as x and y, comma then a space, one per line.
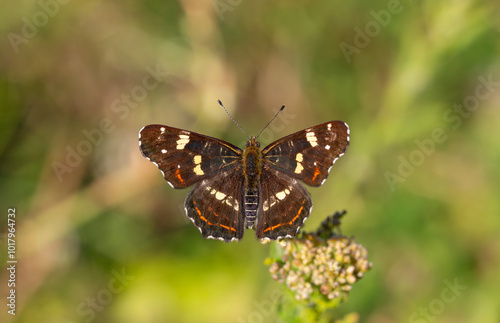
320, 266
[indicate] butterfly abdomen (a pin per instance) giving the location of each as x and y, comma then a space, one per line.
252, 164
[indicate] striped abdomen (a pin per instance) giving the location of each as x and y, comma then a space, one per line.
251, 200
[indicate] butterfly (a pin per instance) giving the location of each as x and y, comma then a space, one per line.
235, 189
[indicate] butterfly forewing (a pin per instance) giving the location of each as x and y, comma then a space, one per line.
309, 154
215, 206
186, 157
284, 206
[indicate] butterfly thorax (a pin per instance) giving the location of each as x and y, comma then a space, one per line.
252, 165
252, 159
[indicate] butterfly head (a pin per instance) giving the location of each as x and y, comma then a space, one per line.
253, 142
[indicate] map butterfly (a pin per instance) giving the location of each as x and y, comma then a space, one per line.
235, 189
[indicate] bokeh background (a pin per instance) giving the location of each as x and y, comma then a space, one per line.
101, 237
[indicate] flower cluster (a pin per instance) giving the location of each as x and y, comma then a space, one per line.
321, 264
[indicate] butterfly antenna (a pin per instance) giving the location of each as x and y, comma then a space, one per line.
282, 107
220, 102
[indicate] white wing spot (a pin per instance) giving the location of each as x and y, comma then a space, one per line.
299, 158
273, 200
327, 147
198, 171
197, 159
182, 142
220, 196
164, 151
311, 137
299, 168
266, 205
162, 129
281, 195
329, 126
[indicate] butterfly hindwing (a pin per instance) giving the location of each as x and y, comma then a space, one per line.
309, 154
284, 206
186, 157
215, 206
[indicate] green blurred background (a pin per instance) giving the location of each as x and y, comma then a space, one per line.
101, 237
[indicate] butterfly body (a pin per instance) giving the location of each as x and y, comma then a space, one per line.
234, 189
252, 161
